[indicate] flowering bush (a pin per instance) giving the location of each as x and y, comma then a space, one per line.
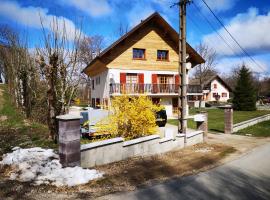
131, 117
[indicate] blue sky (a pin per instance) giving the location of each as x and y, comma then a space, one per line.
247, 20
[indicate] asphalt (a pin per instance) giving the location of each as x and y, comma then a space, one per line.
245, 178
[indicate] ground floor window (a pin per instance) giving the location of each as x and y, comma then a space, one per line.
224, 94
156, 101
98, 103
93, 102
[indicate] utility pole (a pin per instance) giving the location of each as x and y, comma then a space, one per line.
182, 90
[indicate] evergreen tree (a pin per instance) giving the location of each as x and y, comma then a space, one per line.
244, 97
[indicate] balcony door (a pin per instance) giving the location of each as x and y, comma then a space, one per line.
165, 83
132, 83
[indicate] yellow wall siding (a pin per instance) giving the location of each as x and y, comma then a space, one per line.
151, 41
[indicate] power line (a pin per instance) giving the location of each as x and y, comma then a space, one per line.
245, 52
210, 24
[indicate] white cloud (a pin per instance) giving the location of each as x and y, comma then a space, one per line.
30, 16
143, 9
138, 13
218, 5
249, 29
226, 64
94, 8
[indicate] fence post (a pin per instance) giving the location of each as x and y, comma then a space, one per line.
69, 140
228, 121
201, 120
203, 125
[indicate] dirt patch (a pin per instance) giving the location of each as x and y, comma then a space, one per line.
136, 172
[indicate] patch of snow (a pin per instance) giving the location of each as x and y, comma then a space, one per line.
204, 150
42, 166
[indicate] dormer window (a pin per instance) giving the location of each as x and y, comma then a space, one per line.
139, 54
163, 55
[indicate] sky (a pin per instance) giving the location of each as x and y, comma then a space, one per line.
247, 20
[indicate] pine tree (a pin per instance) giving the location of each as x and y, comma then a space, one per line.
244, 97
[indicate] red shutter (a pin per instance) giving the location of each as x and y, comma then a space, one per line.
122, 82
122, 78
141, 78
177, 79
154, 83
141, 83
154, 78
176, 83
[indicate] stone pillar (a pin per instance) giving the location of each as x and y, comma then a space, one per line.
228, 120
203, 125
69, 140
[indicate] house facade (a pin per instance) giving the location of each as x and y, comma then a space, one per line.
142, 62
214, 89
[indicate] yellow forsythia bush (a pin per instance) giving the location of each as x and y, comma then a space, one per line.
131, 117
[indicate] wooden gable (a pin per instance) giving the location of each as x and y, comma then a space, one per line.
152, 34
150, 40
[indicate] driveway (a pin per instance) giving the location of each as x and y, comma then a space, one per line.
248, 177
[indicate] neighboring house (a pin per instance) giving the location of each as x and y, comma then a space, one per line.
143, 61
214, 88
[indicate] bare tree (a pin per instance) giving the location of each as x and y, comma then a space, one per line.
61, 67
18, 68
207, 69
89, 48
204, 70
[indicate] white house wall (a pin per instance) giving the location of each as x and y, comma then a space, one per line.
102, 90
220, 89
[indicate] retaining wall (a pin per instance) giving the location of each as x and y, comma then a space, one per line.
116, 149
251, 122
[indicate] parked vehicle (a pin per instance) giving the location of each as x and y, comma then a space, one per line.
161, 118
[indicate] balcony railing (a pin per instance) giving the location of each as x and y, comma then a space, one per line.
118, 88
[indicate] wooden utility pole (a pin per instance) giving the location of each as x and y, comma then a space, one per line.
182, 90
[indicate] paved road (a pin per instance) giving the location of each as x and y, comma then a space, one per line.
245, 178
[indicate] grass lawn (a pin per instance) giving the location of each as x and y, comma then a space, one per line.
259, 130
16, 131
216, 118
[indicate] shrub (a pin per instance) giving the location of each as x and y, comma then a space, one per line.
131, 117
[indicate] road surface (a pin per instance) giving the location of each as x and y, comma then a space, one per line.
245, 178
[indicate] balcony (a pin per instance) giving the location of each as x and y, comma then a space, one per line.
172, 89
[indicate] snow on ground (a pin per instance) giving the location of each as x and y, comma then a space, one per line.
42, 166
204, 150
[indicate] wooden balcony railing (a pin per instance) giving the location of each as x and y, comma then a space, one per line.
117, 88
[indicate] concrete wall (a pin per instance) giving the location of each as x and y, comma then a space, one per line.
245, 124
112, 150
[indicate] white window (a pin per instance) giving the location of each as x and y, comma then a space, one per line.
98, 80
